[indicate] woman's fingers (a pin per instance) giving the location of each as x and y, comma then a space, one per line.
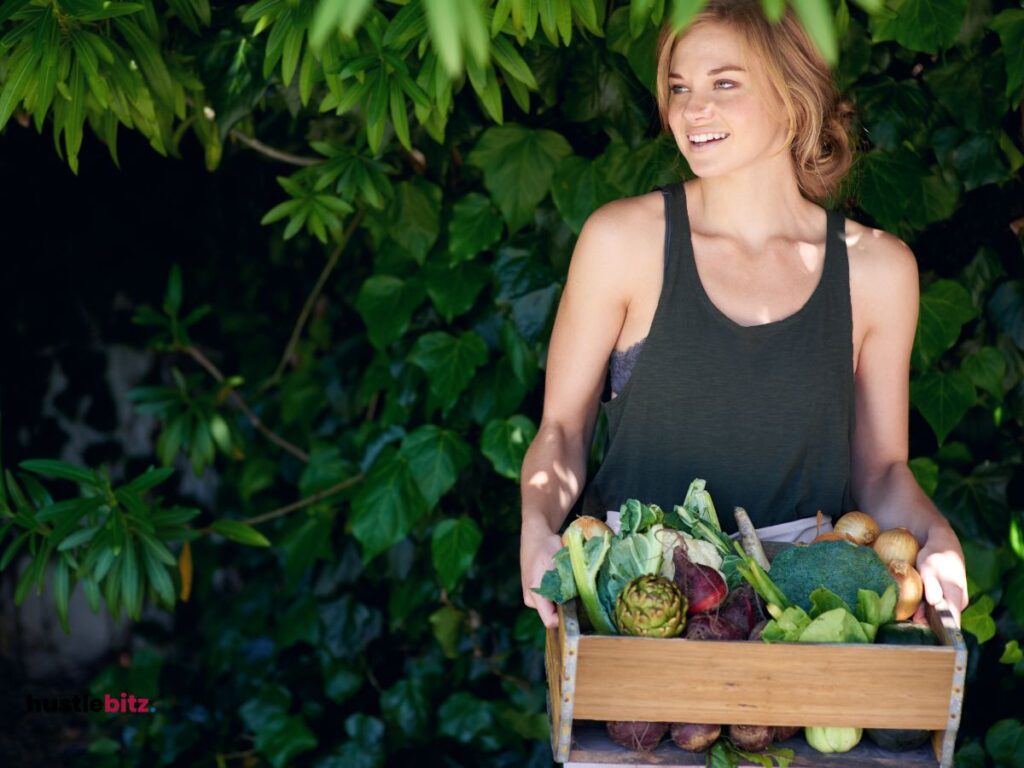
932, 588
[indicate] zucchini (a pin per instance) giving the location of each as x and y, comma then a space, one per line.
906, 633
902, 633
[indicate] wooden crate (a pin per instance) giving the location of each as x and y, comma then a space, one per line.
601, 677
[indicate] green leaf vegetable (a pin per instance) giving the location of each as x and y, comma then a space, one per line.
586, 560
698, 518
607, 563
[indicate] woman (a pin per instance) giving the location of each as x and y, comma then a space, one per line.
756, 339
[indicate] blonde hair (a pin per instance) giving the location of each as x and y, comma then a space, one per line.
818, 119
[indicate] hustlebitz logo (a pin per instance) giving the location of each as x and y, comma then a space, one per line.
126, 703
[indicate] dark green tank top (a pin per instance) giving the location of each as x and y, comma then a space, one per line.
764, 413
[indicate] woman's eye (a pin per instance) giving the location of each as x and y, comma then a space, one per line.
725, 84
677, 88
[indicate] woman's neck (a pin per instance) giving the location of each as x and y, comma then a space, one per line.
754, 205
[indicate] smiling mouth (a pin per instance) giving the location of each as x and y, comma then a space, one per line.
706, 139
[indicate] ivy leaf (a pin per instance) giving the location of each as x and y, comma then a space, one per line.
464, 717
580, 188
1009, 25
341, 679
407, 709
637, 50
518, 165
474, 227
1004, 743
987, 369
386, 305
943, 399
926, 472
1012, 653
978, 161
1007, 310
446, 623
975, 504
977, 619
454, 289
387, 507
894, 111
520, 356
891, 187
280, 737
349, 626
365, 748
971, 90
416, 214
945, 307
453, 548
505, 441
496, 392
920, 25
449, 362
436, 457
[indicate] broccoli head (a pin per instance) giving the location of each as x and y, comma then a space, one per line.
840, 566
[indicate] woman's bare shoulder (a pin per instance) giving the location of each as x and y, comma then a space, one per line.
883, 273
617, 230
877, 254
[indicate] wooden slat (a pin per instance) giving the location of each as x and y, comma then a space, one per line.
592, 745
561, 657
942, 624
874, 686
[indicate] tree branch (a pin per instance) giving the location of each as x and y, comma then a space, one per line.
271, 152
243, 406
302, 503
307, 308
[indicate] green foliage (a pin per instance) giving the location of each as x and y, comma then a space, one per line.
443, 156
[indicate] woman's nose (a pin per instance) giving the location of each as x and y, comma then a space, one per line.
697, 107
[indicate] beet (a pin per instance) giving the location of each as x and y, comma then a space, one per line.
637, 734
757, 631
752, 738
741, 608
704, 587
709, 626
786, 732
694, 737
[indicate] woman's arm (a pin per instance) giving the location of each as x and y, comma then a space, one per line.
887, 287
590, 316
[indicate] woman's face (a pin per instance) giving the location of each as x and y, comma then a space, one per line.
722, 111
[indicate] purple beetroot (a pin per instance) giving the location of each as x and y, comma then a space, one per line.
752, 738
694, 737
637, 734
786, 732
710, 626
742, 608
704, 587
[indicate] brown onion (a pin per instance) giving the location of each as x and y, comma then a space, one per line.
859, 527
832, 536
911, 588
589, 527
896, 544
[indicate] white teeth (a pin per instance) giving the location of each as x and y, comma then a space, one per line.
700, 138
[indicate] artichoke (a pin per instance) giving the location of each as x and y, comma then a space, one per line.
651, 606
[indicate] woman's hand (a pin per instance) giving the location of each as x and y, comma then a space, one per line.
536, 555
941, 565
